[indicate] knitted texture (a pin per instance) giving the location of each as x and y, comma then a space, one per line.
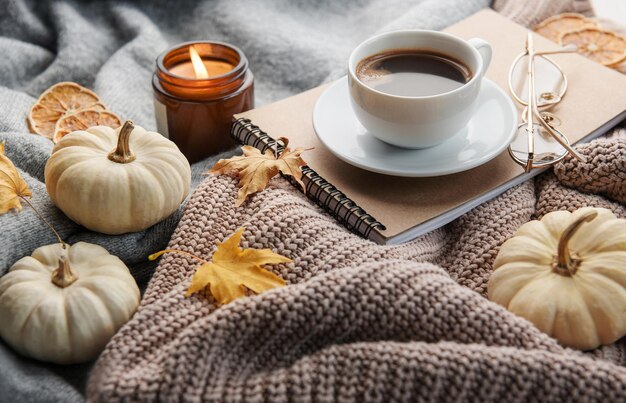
359, 321
530, 13
111, 46
605, 170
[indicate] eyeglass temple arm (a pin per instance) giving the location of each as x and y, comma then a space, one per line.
530, 126
532, 104
571, 48
557, 136
533, 110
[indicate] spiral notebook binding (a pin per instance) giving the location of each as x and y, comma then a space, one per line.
345, 210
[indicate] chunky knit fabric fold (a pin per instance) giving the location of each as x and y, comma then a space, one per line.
359, 321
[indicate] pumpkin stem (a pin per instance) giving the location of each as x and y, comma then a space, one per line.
63, 276
565, 263
122, 154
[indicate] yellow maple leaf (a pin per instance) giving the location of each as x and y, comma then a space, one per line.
233, 270
12, 185
255, 169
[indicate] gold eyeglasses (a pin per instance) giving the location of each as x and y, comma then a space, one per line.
537, 142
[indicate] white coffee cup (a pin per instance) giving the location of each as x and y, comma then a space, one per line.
418, 121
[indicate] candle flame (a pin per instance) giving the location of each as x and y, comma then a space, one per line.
198, 65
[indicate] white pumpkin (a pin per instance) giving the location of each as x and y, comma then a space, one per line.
567, 275
63, 305
117, 184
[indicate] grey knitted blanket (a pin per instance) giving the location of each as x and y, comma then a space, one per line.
110, 46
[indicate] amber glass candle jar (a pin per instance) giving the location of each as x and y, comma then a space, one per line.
195, 102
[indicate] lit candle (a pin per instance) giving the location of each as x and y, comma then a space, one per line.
199, 68
198, 87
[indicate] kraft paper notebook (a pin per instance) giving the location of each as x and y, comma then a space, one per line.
391, 210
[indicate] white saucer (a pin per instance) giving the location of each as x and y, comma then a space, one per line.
487, 134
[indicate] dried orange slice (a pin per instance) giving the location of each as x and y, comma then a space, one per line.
84, 119
61, 98
553, 27
599, 45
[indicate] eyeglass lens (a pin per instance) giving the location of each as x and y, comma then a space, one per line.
550, 87
549, 79
547, 149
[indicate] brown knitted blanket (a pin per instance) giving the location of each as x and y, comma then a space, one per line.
358, 321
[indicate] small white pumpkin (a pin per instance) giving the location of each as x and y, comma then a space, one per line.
63, 305
117, 184
567, 275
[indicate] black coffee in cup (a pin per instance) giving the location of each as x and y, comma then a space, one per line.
412, 72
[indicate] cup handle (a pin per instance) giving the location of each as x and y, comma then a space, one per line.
484, 49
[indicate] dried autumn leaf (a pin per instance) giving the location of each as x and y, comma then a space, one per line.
12, 185
234, 270
255, 169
